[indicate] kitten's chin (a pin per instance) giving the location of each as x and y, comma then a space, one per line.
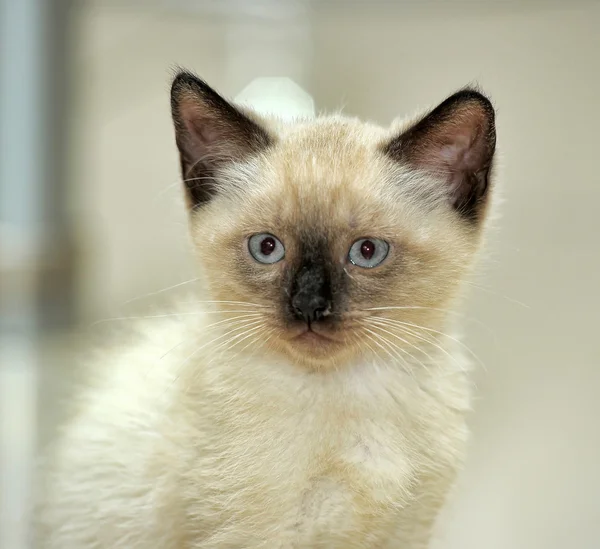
310, 337
315, 348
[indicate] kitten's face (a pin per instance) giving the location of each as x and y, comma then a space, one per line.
347, 239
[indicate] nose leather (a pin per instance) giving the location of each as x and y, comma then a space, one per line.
310, 308
311, 294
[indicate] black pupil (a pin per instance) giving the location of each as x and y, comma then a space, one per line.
267, 246
367, 249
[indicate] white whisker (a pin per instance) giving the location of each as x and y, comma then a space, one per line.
245, 303
231, 321
497, 294
395, 356
408, 353
447, 311
214, 340
373, 321
235, 339
270, 333
168, 315
431, 330
391, 323
161, 291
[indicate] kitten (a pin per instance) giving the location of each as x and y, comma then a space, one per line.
315, 400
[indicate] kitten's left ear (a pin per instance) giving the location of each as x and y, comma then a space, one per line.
455, 142
210, 133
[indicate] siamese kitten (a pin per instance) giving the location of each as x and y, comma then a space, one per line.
318, 397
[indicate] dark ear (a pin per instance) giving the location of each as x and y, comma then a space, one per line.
455, 141
209, 132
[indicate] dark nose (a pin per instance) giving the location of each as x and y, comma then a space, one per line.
310, 307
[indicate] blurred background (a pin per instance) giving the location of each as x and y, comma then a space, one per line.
92, 218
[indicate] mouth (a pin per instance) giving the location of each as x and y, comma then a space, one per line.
314, 339
315, 345
308, 335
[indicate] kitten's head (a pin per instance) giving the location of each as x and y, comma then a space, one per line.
344, 237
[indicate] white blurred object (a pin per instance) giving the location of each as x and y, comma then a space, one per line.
280, 97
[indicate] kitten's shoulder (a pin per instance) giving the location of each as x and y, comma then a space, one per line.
133, 363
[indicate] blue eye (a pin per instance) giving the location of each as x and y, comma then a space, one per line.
368, 252
266, 248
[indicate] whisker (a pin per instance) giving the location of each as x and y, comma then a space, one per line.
431, 330
245, 303
457, 341
400, 359
408, 331
254, 340
373, 322
236, 338
370, 338
497, 294
161, 291
369, 347
179, 182
160, 193
269, 333
232, 321
416, 307
375, 338
387, 351
167, 315
413, 357
467, 318
253, 331
214, 340
348, 274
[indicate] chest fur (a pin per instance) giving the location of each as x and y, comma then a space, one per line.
320, 472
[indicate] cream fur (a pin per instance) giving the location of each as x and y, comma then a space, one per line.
253, 453
254, 444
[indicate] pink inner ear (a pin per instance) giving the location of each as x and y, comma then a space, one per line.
207, 137
210, 132
197, 122
455, 148
453, 154
455, 143
216, 135
463, 154
202, 131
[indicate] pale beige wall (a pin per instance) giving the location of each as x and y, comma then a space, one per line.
124, 168
533, 478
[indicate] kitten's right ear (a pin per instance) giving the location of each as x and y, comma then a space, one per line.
209, 132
